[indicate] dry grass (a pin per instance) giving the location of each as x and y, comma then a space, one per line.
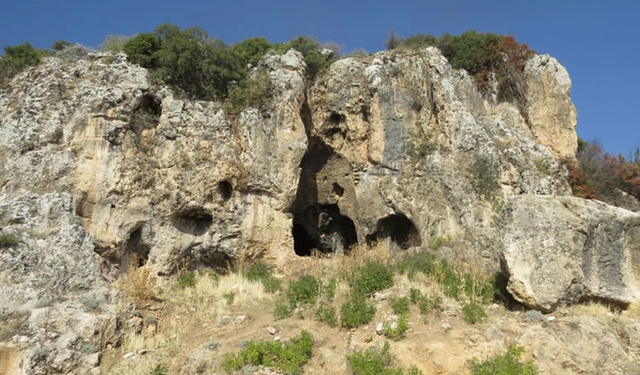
612, 321
139, 283
207, 296
188, 310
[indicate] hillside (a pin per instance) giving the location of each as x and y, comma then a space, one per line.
145, 230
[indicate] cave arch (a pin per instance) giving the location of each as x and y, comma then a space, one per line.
323, 228
399, 229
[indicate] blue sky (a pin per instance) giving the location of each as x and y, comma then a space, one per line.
597, 41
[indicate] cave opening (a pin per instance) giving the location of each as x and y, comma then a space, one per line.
399, 229
145, 115
323, 228
225, 190
136, 252
318, 223
193, 221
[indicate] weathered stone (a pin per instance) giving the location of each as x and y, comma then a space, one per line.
565, 249
552, 116
555, 351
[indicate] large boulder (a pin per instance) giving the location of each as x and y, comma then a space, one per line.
565, 249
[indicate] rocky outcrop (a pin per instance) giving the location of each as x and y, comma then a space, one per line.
566, 249
61, 308
98, 168
552, 116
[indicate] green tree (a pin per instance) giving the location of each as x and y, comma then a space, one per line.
18, 58
251, 50
143, 49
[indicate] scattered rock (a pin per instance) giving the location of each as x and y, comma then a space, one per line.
241, 318
446, 327
224, 320
272, 330
150, 319
249, 369
211, 345
277, 338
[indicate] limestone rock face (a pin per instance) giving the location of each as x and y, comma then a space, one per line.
100, 168
552, 116
566, 249
599, 350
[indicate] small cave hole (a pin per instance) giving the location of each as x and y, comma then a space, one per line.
225, 189
336, 118
195, 222
364, 111
338, 190
325, 229
146, 114
136, 252
399, 229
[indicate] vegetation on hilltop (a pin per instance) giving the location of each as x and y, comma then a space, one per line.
481, 55
599, 175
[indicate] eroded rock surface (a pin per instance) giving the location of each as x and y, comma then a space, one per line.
566, 249
99, 168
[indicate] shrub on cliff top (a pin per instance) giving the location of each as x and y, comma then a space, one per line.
18, 58
481, 54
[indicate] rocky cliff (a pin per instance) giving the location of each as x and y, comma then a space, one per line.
98, 167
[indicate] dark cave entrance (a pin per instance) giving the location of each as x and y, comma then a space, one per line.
399, 229
317, 221
194, 221
322, 227
136, 252
225, 189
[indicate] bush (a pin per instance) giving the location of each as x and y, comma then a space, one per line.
372, 277
506, 364
310, 50
114, 43
59, 45
254, 92
187, 279
374, 362
473, 313
327, 314
329, 290
259, 271
400, 306
486, 177
599, 175
251, 50
427, 304
9, 240
420, 262
143, 49
356, 312
282, 310
18, 58
415, 295
483, 54
393, 40
399, 331
304, 291
160, 370
287, 358
229, 297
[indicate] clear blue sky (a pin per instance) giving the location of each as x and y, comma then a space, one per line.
597, 41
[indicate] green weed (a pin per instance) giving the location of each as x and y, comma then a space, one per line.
506, 364
287, 358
